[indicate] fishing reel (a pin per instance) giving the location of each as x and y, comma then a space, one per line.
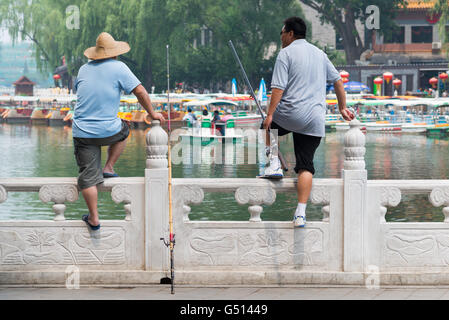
167, 243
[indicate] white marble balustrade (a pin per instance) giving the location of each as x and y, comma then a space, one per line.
352, 244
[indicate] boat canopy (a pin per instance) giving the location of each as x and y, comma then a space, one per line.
209, 102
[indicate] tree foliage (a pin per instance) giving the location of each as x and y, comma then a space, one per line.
148, 26
343, 14
442, 8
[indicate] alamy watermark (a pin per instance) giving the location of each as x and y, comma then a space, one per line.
373, 20
372, 281
72, 22
237, 146
72, 277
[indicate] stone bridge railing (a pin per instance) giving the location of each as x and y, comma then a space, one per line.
352, 244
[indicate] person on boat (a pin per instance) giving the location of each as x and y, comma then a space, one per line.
190, 117
219, 125
298, 105
205, 115
95, 122
216, 117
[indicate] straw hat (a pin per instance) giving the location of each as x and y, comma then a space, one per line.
106, 47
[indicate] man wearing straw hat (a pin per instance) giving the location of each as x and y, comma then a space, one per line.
95, 123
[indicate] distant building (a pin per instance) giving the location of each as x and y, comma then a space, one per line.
416, 40
24, 87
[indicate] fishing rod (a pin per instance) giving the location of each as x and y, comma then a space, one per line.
245, 77
171, 242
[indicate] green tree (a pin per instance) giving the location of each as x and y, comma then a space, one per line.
252, 25
148, 25
343, 14
442, 8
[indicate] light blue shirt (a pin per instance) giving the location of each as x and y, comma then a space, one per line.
301, 70
99, 85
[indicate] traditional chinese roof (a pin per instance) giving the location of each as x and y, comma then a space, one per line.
24, 81
419, 5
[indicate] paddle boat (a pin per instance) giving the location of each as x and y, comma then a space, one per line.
205, 132
242, 118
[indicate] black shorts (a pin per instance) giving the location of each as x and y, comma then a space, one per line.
305, 147
88, 156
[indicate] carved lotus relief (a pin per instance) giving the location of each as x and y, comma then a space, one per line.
60, 246
270, 249
11, 244
443, 246
212, 247
410, 248
304, 249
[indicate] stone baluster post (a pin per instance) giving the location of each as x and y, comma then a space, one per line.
156, 199
3, 194
59, 194
355, 192
438, 197
255, 197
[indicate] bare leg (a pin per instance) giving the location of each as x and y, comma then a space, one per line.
91, 197
304, 185
114, 152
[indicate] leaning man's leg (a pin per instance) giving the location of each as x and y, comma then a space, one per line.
305, 147
117, 144
88, 158
304, 186
114, 152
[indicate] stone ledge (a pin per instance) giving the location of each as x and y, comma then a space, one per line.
213, 278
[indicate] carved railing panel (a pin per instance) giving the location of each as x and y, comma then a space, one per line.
61, 246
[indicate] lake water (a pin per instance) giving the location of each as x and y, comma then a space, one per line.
41, 151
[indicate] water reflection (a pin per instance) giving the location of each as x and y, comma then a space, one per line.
41, 151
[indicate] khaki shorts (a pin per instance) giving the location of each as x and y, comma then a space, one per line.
88, 156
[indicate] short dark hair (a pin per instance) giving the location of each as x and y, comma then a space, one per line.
297, 25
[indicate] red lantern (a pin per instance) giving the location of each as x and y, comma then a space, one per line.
443, 76
56, 77
378, 80
397, 82
433, 81
344, 74
388, 76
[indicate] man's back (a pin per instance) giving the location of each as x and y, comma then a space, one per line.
302, 71
99, 85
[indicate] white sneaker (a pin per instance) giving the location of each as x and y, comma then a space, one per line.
275, 169
299, 221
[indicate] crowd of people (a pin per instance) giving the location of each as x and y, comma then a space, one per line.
432, 93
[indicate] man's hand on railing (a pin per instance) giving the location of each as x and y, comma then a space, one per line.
158, 116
